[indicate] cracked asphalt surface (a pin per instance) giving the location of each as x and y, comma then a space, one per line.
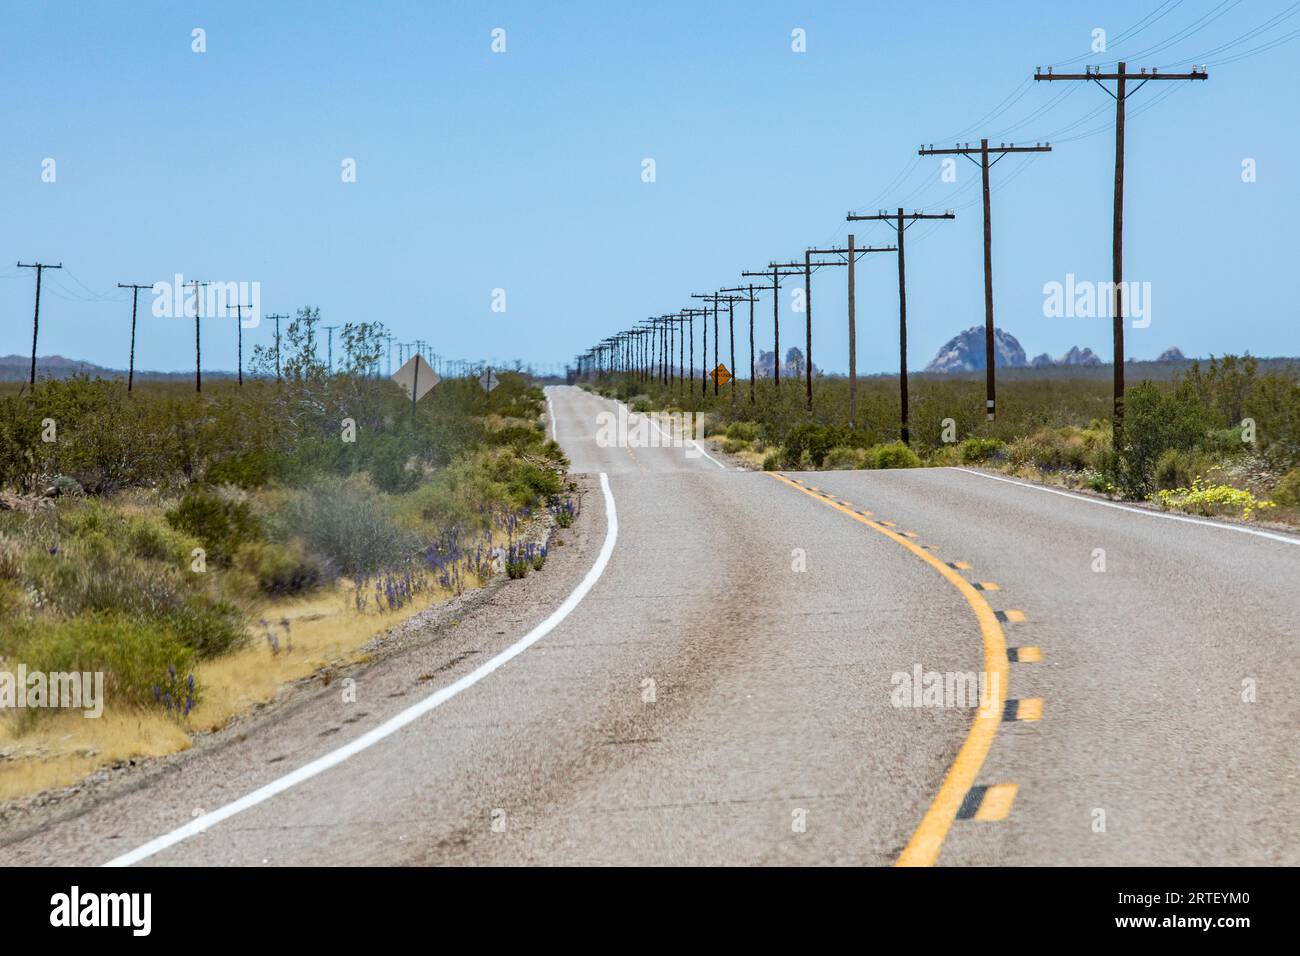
707, 703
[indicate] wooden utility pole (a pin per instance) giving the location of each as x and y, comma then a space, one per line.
135, 297
239, 326
851, 253
329, 349
903, 221
40, 268
982, 151
690, 319
749, 295
277, 317
1121, 76
775, 273
716, 298
198, 352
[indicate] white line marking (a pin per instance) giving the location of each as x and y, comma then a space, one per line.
1141, 511
550, 410
396, 723
655, 426
670, 438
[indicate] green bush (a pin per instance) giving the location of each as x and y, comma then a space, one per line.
733, 445
134, 653
155, 540
843, 458
348, 522
281, 570
1156, 419
772, 460
1287, 491
974, 450
896, 455
209, 628
1051, 449
743, 431
246, 469
1178, 469
221, 524
816, 441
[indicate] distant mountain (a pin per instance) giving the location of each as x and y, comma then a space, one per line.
1174, 354
1078, 356
965, 352
17, 368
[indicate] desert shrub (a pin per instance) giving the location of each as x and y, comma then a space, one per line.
1226, 441
842, 458
1178, 469
1050, 449
896, 455
974, 450
281, 569
733, 445
221, 523
772, 460
388, 461
815, 441
154, 540
944, 456
136, 654
246, 469
743, 431
208, 628
348, 522
89, 574
1287, 491
1156, 420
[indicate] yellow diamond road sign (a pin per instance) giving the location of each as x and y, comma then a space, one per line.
720, 375
416, 377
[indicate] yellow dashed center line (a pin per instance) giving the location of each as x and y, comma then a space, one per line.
1030, 708
923, 849
997, 802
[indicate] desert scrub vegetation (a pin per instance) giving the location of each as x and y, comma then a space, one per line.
1234, 421
143, 534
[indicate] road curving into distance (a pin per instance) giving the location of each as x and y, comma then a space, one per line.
709, 672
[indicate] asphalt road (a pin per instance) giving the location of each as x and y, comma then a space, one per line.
707, 675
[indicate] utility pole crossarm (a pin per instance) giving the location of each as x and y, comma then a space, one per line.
975, 150
856, 250
1122, 78
893, 216
1142, 75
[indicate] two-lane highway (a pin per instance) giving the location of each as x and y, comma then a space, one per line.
708, 673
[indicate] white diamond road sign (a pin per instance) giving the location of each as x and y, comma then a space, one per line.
416, 377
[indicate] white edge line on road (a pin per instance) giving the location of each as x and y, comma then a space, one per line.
1141, 511
655, 425
550, 410
400, 720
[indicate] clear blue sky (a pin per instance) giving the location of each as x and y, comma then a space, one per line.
522, 170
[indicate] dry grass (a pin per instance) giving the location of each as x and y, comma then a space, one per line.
325, 629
